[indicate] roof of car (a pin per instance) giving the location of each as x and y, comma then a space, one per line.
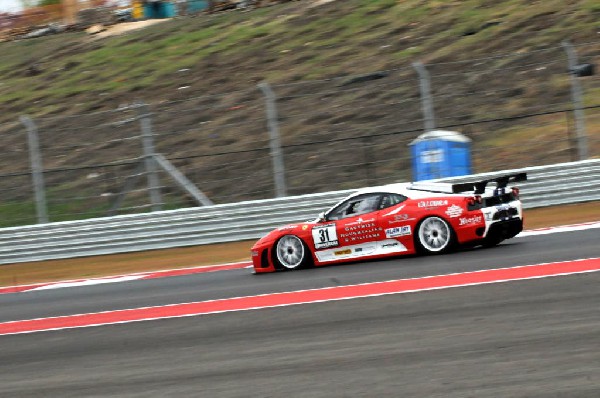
404, 188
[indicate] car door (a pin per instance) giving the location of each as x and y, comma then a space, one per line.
395, 220
350, 229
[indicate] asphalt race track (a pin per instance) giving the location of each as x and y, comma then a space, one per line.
532, 338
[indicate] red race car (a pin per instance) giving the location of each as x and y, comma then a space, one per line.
396, 219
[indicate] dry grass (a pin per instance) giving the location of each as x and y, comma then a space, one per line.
116, 264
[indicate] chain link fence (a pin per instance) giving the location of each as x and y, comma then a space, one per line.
332, 134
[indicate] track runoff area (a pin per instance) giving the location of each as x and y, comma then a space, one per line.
355, 291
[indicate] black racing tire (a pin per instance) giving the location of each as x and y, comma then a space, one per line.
434, 235
291, 253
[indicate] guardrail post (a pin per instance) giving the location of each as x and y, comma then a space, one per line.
274, 140
37, 175
426, 101
149, 161
576, 95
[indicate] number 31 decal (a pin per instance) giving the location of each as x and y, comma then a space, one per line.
325, 236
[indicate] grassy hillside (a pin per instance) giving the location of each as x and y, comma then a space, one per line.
282, 43
488, 60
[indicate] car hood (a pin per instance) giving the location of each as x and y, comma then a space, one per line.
300, 229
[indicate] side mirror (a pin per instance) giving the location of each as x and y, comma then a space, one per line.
321, 217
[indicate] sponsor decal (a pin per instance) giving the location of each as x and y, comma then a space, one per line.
360, 227
469, 220
325, 236
400, 218
397, 231
454, 211
342, 252
363, 249
254, 253
432, 203
367, 230
359, 220
304, 227
352, 237
390, 245
396, 210
287, 227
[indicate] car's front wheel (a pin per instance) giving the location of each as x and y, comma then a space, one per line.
435, 235
291, 252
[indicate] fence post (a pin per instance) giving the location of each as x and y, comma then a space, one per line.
37, 175
149, 162
182, 180
426, 101
274, 140
368, 159
576, 96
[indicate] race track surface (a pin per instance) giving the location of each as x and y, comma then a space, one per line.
534, 338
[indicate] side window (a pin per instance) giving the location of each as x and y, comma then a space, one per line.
356, 206
391, 199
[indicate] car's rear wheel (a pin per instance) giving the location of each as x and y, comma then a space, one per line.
435, 235
291, 252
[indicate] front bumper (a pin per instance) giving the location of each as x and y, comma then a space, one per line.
261, 260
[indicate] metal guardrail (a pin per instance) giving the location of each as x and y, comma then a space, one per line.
547, 185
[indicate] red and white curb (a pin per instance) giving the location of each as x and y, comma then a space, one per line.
124, 278
302, 297
225, 267
563, 228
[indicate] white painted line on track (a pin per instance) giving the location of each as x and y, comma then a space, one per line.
560, 229
88, 282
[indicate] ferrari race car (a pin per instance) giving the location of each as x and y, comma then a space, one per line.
396, 219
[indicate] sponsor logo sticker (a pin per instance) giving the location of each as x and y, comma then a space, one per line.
397, 231
454, 211
342, 252
400, 218
396, 210
360, 221
254, 253
432, 203
286, 227
469, 220
363, 231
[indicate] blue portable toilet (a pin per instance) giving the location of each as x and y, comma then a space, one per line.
194, 6
167, 10
440, 153
159, 9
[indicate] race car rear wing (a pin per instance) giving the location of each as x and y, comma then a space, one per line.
478, 187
